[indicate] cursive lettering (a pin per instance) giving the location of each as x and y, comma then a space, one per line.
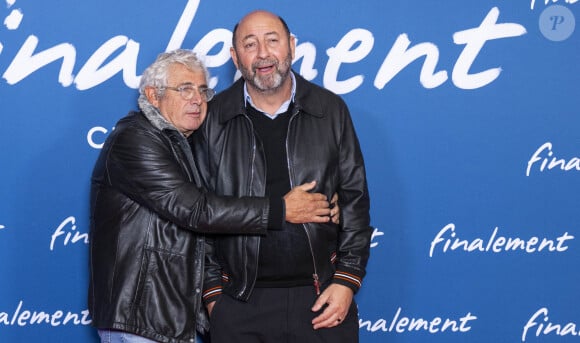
533, 2
94, 71
119, 54
401, 324
474, 39
446, 238
68, 229
541, 321
549, 161
376, 233
24, 317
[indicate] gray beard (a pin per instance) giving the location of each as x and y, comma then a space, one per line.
269, 83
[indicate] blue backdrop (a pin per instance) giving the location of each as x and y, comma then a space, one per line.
468, 116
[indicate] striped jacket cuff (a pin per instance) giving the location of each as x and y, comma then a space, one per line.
211, 294
350, 280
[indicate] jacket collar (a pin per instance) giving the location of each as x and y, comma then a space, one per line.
285, 105
232, 102
154, 116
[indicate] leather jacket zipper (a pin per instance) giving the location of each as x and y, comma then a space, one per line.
315, 278
251, 193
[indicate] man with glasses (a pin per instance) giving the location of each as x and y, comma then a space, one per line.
147, 212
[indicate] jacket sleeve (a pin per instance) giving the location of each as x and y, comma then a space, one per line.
212, 281
212, 284
353, 199
143, 165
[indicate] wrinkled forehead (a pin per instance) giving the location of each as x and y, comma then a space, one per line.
180, 74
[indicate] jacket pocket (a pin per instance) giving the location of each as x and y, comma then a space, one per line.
167, 301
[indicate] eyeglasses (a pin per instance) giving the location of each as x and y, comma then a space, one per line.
188, 91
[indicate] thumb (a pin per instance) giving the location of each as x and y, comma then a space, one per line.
320, 302
307, 186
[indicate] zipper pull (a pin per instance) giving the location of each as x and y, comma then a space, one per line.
316, 283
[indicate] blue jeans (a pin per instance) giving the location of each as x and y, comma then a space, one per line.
113, 336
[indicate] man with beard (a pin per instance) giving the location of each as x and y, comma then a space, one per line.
269, 131
148, 214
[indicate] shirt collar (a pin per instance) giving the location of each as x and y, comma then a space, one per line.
283, 108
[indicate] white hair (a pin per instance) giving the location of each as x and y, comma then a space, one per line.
156, 74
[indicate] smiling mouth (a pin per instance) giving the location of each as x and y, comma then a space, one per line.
265, 66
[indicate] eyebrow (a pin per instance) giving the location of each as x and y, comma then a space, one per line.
255, 36
193, 84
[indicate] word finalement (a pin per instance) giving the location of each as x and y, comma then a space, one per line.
402, 324
446, 240
24, 317
120, 54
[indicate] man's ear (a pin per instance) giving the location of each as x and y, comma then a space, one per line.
151, 94
292, 46
234, 57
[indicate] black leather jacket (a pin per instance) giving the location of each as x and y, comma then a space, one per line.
146, 256
321, 145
